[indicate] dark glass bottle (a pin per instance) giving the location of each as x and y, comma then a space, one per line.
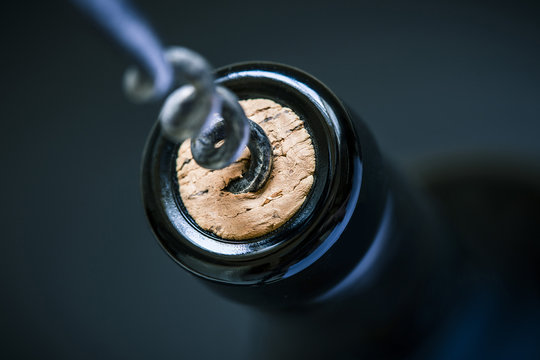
363, 268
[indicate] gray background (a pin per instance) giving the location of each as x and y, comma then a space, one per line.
82, 276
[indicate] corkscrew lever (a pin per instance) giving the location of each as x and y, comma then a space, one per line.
209, 115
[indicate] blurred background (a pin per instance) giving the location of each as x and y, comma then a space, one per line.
83, 277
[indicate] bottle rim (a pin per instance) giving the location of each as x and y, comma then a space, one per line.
315, 227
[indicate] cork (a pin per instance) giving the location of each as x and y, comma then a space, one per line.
250, 215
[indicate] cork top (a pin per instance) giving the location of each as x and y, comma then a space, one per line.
250, 215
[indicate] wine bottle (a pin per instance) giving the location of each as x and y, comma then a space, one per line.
363, 269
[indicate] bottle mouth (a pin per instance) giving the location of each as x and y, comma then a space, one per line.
305, 236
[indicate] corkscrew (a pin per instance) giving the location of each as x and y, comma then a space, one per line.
194, 107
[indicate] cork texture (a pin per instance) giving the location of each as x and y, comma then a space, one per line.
245, 216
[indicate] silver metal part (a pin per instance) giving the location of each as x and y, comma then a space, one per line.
189, 108
210, 116
223, 140
260, 162
195, 110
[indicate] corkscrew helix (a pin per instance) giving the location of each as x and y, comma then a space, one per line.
197, 109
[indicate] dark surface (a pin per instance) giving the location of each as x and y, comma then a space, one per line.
82, 276
493, 210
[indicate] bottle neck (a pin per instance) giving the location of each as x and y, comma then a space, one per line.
362, 260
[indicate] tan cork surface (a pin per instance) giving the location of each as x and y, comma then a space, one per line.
249, 215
